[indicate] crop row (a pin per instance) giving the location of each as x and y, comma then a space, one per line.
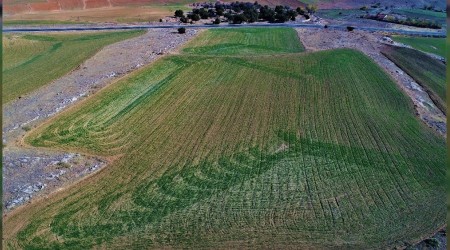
287, 150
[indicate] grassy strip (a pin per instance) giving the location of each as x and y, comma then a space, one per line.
428, 72
427, 44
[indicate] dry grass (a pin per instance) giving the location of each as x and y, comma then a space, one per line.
113, 14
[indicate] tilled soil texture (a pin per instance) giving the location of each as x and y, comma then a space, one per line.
28, 172
371, 44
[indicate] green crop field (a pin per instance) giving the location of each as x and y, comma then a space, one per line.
426, 44
428, 72
245, 41
31, 61
235, 150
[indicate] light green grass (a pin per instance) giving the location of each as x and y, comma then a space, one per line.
284, 150
427, 44
344, 13
242, 41
428, 72
31, 61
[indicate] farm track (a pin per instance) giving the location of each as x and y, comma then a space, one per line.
28, 171
225, 151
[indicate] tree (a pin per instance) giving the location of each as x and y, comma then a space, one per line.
251, 15
279, 9
183, 20
238, 19
211, 13
219, 10
181, 30
203, 13
281, 17
217, 21
350, 28
300, 11
179, 13
311, 8
194, 17
292, 14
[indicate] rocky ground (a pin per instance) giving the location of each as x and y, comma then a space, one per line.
371, 45
30, 172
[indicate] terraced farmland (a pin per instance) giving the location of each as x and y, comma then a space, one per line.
278, 150
31, 61
425, 44
428, 72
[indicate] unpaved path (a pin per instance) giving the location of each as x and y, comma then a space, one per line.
28, 172
371, 45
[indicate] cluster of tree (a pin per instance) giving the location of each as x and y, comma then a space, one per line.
239, 12
422, 23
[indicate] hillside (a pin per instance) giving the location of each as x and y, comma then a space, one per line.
242, 140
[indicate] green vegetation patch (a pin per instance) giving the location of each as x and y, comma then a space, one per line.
31, 61
427, 44
439, 17
288, 150
244, 41
340, 13
428, 72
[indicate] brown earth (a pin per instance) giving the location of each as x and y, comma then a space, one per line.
107, 14
103, 10
31, 6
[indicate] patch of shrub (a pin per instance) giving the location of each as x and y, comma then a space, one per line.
432, 242
26, 128
179, 13
181, 30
